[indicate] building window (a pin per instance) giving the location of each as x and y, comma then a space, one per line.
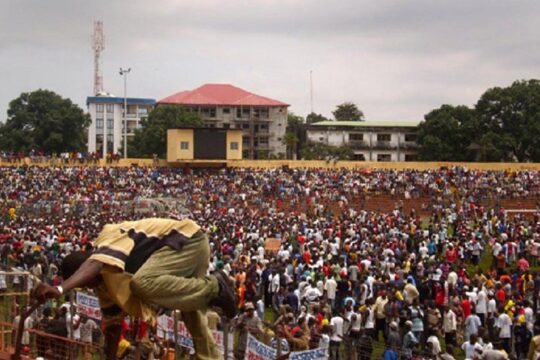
242, 112
263, 127
245, 126
226, 126
410, 137
99, 108
356, 137
143, 111
263, 141
260, 112
99, 123
359, 157
208, 112
383, 137
384, 157
226, 110
246, 140
184, 145
110, 108
234, 145
411, 157
110, 124
110, 143
132, 109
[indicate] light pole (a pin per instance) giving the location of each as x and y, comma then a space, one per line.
124, 73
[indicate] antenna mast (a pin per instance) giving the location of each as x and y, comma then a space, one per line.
98, 44
311, 88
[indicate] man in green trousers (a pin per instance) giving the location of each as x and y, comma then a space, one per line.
138, 267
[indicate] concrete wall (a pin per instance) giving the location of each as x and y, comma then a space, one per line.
174, 138
234, 136
301, 164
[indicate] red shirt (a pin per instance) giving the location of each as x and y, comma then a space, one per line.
466, 306
501, 295
451, 255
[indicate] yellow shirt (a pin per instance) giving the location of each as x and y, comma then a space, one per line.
123, 248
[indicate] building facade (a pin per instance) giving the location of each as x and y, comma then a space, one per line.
106, 132
263, 121
370, 140
192, 144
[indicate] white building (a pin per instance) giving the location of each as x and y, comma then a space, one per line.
370, 140
263, 120
108, 122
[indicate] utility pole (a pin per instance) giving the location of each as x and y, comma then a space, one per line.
124, 73
98, 45
311, 89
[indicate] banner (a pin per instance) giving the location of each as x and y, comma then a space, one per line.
166, 331
256, 350
88, 305
315, 354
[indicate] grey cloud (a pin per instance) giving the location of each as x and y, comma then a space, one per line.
396, 59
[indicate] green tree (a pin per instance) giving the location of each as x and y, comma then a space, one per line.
509, 122
322, 151
296, 141
43, 120
290, 140
151, 138
314, 118
348, 111
447, 134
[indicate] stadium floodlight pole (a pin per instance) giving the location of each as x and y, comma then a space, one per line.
124, 73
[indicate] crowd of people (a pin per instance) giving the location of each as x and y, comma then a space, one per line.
73, 158
458, 283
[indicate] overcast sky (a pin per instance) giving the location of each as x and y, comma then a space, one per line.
396, 60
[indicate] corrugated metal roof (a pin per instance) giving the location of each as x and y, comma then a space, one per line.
118, 100
370, 123
220, 95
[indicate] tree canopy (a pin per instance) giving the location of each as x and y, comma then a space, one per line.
348, 111
151, 138
314, 118
509, 122
322, 151
443, 137
44, 121
295, 135
503, 126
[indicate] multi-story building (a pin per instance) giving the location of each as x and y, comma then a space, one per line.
370, 140
106, 132
263, 120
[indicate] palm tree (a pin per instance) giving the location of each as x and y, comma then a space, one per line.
290, 140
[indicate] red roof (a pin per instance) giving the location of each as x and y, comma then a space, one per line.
219, 94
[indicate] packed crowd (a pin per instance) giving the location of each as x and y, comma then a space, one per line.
76, 157
461, 282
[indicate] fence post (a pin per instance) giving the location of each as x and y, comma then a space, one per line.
278, 345
176, 347
225, 338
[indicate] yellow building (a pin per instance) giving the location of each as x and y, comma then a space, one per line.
185, 145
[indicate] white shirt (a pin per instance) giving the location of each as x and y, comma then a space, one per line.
504, 323
481, 302
76, 329
274, 284
337, 328
436, 345
449, 321
330, 287
324, 342
471, 350
312, 294
491, 306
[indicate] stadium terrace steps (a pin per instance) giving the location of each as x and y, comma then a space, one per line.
423, 206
